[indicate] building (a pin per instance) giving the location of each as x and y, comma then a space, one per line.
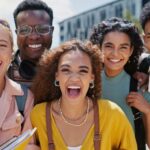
79, 26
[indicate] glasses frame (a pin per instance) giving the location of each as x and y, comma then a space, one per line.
35, 29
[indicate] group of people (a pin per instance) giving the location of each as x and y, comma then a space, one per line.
79, 95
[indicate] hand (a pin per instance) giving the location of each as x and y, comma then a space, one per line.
135, 99
142, 78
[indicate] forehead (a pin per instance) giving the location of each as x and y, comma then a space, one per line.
32, 17
75, 58
4, 34
116, 37
147, 27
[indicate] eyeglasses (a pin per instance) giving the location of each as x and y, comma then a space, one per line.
39, 29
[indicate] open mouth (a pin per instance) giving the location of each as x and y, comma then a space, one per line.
0, 62
73, 91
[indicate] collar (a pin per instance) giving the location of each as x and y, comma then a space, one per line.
12, 87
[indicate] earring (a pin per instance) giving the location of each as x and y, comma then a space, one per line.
91, 84
56, 83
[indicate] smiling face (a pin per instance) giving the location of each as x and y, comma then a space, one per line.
74, 75
33, 45
146, 36
117, 49
5, 50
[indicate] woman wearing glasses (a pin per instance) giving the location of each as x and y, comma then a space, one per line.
69, 116
121, 46
12, 121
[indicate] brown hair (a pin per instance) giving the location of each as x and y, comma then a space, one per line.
43, 86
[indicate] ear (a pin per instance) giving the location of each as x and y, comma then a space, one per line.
132, 48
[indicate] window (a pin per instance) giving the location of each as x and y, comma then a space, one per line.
133, 9
119, 11
102, 15
61, 28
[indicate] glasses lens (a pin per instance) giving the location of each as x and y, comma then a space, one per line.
24, 30
44, 29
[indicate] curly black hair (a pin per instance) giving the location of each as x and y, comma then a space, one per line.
145, 15
118, 24
43, 86
33, 5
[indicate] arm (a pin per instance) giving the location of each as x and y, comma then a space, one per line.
135, 99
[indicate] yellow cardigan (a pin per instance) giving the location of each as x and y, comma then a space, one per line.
117, 133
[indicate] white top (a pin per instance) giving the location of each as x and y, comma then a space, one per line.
74, 148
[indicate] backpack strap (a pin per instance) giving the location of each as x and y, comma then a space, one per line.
21, 100
138, 122
97, 137
51, 145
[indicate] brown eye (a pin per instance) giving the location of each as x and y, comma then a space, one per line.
3, 45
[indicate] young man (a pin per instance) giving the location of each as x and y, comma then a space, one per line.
33, 20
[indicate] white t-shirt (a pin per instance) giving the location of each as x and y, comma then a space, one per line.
74, 148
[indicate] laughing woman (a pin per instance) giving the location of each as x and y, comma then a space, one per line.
68, 115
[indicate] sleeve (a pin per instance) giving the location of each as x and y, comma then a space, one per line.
27, 122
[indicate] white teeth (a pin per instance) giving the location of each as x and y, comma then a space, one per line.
35, 45
114, 60
73, 87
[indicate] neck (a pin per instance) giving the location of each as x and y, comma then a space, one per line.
74, 111
111, 73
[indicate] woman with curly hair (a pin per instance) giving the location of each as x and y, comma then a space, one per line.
121, 46
68, 114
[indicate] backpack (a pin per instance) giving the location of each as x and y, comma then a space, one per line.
21, 100
138, 122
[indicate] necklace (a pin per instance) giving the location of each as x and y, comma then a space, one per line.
75, 125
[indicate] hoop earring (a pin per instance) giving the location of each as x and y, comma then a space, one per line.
56, 83
92, 85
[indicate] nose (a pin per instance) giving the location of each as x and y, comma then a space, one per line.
33, 34
115, 52
74, 77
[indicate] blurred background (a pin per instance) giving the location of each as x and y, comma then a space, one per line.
74, 18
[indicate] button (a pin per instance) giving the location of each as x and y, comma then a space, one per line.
18, 118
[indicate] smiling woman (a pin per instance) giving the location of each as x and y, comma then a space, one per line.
121, 46
68, 114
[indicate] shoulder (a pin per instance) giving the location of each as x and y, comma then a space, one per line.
39, 110
110, 108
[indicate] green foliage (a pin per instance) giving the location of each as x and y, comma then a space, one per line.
127, 15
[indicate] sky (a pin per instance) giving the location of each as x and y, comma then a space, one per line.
62, 9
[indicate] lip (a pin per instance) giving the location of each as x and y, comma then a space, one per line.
0, 62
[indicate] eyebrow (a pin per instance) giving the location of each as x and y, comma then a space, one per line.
123, 44
81, 67
3, 41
